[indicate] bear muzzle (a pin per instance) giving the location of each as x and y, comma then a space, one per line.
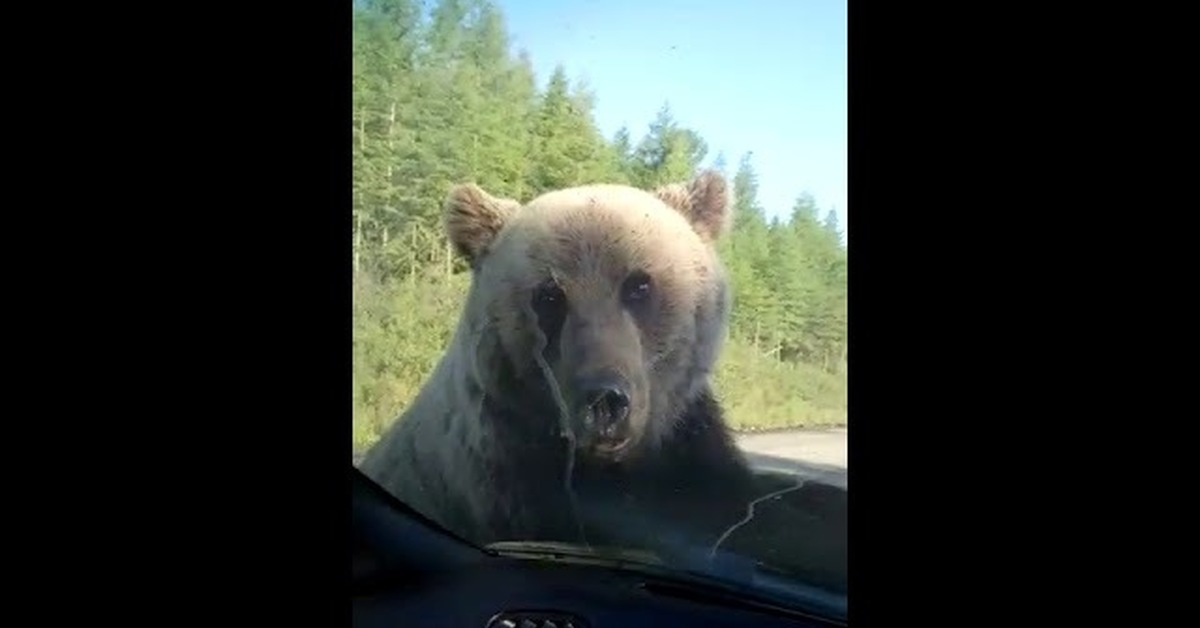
604, 412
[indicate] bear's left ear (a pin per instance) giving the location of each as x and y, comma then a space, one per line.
472, 219
705, 202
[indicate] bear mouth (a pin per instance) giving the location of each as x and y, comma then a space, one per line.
611, 447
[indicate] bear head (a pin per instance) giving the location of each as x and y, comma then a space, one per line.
595, 311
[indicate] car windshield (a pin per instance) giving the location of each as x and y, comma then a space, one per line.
600, 286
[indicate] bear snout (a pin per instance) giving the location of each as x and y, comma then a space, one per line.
605, 407
609, 410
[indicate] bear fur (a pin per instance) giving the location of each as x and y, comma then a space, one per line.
593, 288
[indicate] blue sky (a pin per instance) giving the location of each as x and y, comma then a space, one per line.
753, 75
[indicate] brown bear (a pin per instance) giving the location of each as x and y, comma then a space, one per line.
576, 393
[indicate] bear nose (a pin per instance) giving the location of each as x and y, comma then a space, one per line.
607, 402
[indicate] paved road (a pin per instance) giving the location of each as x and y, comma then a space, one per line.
824, 447
819, 455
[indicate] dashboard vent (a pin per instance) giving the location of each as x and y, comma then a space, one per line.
536, 619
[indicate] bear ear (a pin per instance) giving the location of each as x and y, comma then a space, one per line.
705, 202
473, 218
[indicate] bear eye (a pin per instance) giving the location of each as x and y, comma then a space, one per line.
548, 294
636, 288
549, 303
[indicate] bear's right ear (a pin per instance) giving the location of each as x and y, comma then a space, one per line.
473, 218
705, 201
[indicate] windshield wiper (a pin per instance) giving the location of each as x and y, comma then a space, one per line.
732, 579
571, 551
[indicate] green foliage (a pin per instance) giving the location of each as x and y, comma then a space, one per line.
669, 152
438, 99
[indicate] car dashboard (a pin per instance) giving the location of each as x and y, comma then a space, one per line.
407, 572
